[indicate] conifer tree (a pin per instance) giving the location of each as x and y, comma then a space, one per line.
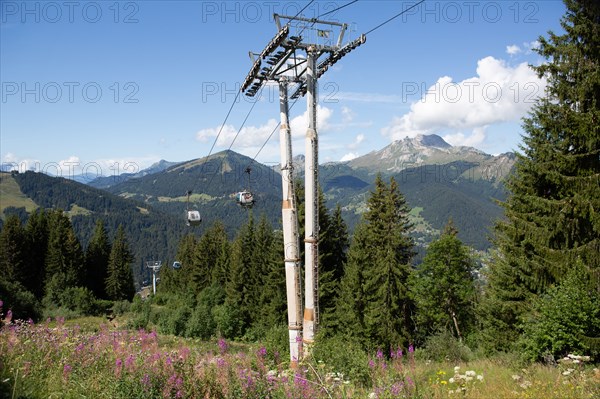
552, 211
273, 294
37, 243
378, 270
333, 252
119, 280
13, 251
208, 257
96, 260
64, 259
239, 289
179, 280
444, 288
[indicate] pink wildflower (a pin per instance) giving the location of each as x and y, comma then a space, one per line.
67, 371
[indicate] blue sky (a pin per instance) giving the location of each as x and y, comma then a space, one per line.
106, 87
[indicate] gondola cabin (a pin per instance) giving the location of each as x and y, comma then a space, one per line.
176, 265
193, 218
245, 199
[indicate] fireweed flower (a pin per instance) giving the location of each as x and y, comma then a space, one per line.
67, 371
118, 367
222, 345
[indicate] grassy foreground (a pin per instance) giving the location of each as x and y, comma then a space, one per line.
54, 360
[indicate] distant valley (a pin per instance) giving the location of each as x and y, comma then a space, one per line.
438, 180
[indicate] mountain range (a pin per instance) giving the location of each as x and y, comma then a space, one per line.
439, 181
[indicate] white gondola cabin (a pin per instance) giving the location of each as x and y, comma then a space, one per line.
176, 265
245, 199
193, 218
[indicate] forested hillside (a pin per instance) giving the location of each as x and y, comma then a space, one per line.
153, 234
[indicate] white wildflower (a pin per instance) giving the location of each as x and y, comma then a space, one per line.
470, 373
480, 377
456, 369
451, 380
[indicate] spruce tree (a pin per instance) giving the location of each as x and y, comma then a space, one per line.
64, 259
238, 288
333, 252
378, 270
444, 288
37, 243
13, 250
179, 280
210, 258
552, 217
273, 294
96, 260
119, 280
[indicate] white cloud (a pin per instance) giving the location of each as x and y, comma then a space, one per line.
513, 49
475, 139
462, 110
252, 138
74, 166
357, 141
349, 157
299, 124
347, 115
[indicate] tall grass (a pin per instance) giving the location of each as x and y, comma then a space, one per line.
53, 360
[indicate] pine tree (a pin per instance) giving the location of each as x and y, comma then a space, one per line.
96, 260
333, 253
552, 211
273, 294
13, 250
64, 259
119, 280
378, 270
238, 288
37, 243
179, 280
444, 288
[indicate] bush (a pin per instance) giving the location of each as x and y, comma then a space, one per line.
81, 300
142, 310
343, 355
173, 321
21, 302
443, 346
563, 318
229, 322
202, 323
119, 308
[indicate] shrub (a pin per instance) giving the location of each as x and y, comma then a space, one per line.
563, 318
21, 302
444, 346
343, 355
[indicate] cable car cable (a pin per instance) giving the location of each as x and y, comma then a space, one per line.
394, 17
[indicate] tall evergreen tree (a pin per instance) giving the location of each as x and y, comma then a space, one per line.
333, 253
273, 294
13, 250
179, 280
444, 288
552, 211
37, 243
239, 288
119, 280
64, 259
378, 270
96, 260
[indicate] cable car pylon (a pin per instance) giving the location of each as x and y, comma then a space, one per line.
285, 66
